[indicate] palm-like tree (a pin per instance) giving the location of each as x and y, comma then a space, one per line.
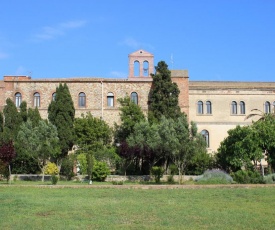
263, 116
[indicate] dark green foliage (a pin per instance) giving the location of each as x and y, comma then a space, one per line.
100, 171
240, 149
130, 114
12, 120
23, 111
247, 177
1, 122
34, 116
157, 172
92, 134
163, 97
68, 164
90, 165
61, 113
40, 143
199, 163
54, 179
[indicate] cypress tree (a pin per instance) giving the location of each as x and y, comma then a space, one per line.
12, 120
163, 98
61, 113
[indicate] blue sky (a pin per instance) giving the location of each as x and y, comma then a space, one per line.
223, 40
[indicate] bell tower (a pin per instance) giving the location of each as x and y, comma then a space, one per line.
141, 64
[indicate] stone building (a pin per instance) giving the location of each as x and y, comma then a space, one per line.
216, 107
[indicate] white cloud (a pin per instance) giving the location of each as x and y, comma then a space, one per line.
116, 74
134, 44
52, 32
73, 24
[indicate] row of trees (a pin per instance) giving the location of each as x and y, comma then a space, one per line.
163, 138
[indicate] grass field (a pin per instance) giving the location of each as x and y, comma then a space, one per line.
49, 207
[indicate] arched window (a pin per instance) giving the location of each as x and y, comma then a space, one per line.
233, 107
242, 107
53, 96
200, 107
110, 100
205, 135
36, 99
134, 97
82, 100
267, 107
18, 99
136, 68
208, 107
145, 68
273, 111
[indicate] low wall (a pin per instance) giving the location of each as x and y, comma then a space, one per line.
110, 178
30, 177
135, 178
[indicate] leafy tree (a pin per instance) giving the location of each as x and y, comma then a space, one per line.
184, 147
100, 171
41, 142
130, 114
240, 149
68, 164
61, 113
163, 98
7, 154
265, 130
145, 138
92, 133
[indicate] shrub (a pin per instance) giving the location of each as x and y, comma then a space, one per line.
170, 179
51, 169
67, 166
269, 179
100, 171
117, 182
247, 177
157, 173
54, 179
214, 176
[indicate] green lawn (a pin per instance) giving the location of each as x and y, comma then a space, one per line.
116, 208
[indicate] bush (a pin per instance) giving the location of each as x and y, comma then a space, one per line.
157, 173
67, 166
54, 179
247, 177
117, 182
51, 169
100, 171
215, 176
170, 179
269, 179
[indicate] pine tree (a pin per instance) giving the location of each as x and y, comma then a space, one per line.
164, 94
34, 116
61, 113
